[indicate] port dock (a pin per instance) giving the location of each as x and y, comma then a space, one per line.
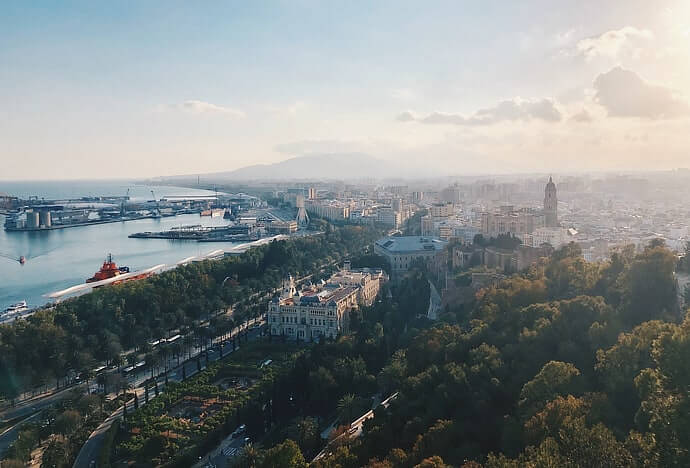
198, 233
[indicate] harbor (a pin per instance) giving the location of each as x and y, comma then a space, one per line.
47, 264
37, 262
34, 214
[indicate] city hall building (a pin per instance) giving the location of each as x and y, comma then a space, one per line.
322, 310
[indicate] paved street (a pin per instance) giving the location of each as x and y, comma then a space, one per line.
11, 433
221, 456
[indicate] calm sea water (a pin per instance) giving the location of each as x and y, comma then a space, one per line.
62, 258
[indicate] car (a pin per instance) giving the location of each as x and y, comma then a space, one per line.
237, 432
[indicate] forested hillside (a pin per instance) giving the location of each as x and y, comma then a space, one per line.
568, 364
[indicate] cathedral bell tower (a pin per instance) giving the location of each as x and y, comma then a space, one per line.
551, 204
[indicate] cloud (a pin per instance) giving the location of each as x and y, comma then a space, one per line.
193, 106
624, 94
564, 37
582, 117
407, 116
610, 43
516, 109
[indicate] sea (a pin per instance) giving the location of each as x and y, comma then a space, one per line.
61, 258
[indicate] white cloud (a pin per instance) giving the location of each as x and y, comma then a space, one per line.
610, 43
406, 116
582, 117
564, 37
624, 94
193, 106
516, 109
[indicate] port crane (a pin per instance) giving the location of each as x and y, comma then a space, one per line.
124, 202
157, 210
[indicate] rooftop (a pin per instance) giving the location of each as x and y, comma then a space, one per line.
411, 244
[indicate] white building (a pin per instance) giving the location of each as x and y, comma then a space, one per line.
322, 310
331, 210
368, 280
556, 237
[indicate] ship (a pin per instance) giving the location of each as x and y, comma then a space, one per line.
108, 270
14, 309
111, 270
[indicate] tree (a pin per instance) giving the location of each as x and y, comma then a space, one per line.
347, 408
55, 455
305, 431
153, 447
67, 422
285, 455
432, 462
554, 379
649, 290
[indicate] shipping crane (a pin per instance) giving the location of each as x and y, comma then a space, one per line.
156, 211
123, 209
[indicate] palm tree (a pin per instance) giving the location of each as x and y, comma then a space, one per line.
117, 361
346, 408
176, 349
87, 375
151, 360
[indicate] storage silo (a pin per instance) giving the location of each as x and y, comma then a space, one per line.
45, 219
32, 219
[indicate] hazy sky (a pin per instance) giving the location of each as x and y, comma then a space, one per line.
126, 89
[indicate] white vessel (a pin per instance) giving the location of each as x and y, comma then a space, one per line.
15, 309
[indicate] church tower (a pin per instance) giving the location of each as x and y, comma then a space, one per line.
289, 289
551, 204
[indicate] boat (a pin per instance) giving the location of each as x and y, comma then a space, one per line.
22, 260
108, 270
111, 270
15, 309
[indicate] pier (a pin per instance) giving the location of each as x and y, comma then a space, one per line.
230, 233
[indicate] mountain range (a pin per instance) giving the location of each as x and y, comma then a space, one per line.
331, 166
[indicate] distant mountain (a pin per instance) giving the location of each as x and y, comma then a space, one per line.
324, 166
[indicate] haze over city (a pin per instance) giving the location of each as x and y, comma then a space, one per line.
148, 89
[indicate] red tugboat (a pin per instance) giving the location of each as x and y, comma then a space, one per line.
108, 270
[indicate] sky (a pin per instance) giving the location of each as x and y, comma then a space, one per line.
144, 89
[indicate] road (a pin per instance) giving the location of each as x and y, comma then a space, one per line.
217, 458
31, 406
11, 433
92, 447
29, 410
